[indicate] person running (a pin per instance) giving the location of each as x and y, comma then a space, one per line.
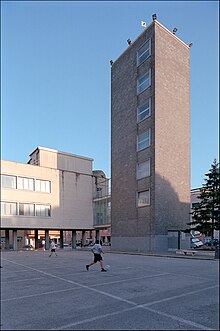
53, 248
97, 251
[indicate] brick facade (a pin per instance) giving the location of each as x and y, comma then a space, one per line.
145, 228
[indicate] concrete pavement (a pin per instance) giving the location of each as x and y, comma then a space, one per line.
139, 292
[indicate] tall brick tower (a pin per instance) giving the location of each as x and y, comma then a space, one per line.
150, 140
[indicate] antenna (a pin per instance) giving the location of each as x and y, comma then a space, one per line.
143, 24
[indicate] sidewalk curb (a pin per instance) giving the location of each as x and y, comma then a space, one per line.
174, 255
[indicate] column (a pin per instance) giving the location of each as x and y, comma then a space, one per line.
61, 238
73, 239
36, 239
7, 239
83, 238
47, 240
15, 243
97, 235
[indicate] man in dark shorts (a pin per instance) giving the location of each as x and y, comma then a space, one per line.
97, 251
52, 248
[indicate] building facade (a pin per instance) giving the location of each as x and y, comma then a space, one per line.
102, 206
150, 140
53, 192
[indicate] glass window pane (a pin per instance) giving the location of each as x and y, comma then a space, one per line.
8, 208
37, 207
25, 183
31, 184
21, 209
26, 209
144, 111
143, 198
142, 79
143, 169
48, 211
43, 210
143, 140
20, 183
8, 181
37, 185
47, 186
144, 82
144, 52
42, 186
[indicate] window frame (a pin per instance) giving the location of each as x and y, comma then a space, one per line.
148, 74
37, 205
144, 204
9, 203
148, 138
23, 181
39, 182
139, 62
9, 187
148, 161
26, 204
149, 101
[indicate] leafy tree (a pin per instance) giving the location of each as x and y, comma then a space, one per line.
206, 213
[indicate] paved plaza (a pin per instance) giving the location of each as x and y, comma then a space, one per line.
137, 292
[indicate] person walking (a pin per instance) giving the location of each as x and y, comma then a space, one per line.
97, 251
52, 248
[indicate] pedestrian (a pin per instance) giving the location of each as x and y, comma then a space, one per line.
97, 251
52, 248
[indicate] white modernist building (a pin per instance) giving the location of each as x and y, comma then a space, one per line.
53, 191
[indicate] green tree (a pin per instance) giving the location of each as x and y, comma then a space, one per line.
206, 213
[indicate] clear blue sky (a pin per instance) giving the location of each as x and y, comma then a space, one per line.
56, 74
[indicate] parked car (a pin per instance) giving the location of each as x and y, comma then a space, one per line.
195, 243
64, 245
196, 234
28, 247
208, 242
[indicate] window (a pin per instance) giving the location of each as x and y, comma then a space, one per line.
43, 210
144, 52
25, 183
144, 111
143, 169
144, 198
42, 185
26, 209
144, 82
143, 140
9, 208
99, 191
99, 218
8, 181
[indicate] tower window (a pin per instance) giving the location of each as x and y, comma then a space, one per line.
143, 169
143, 198
144, 82
144, 111
143, 140
144, 52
